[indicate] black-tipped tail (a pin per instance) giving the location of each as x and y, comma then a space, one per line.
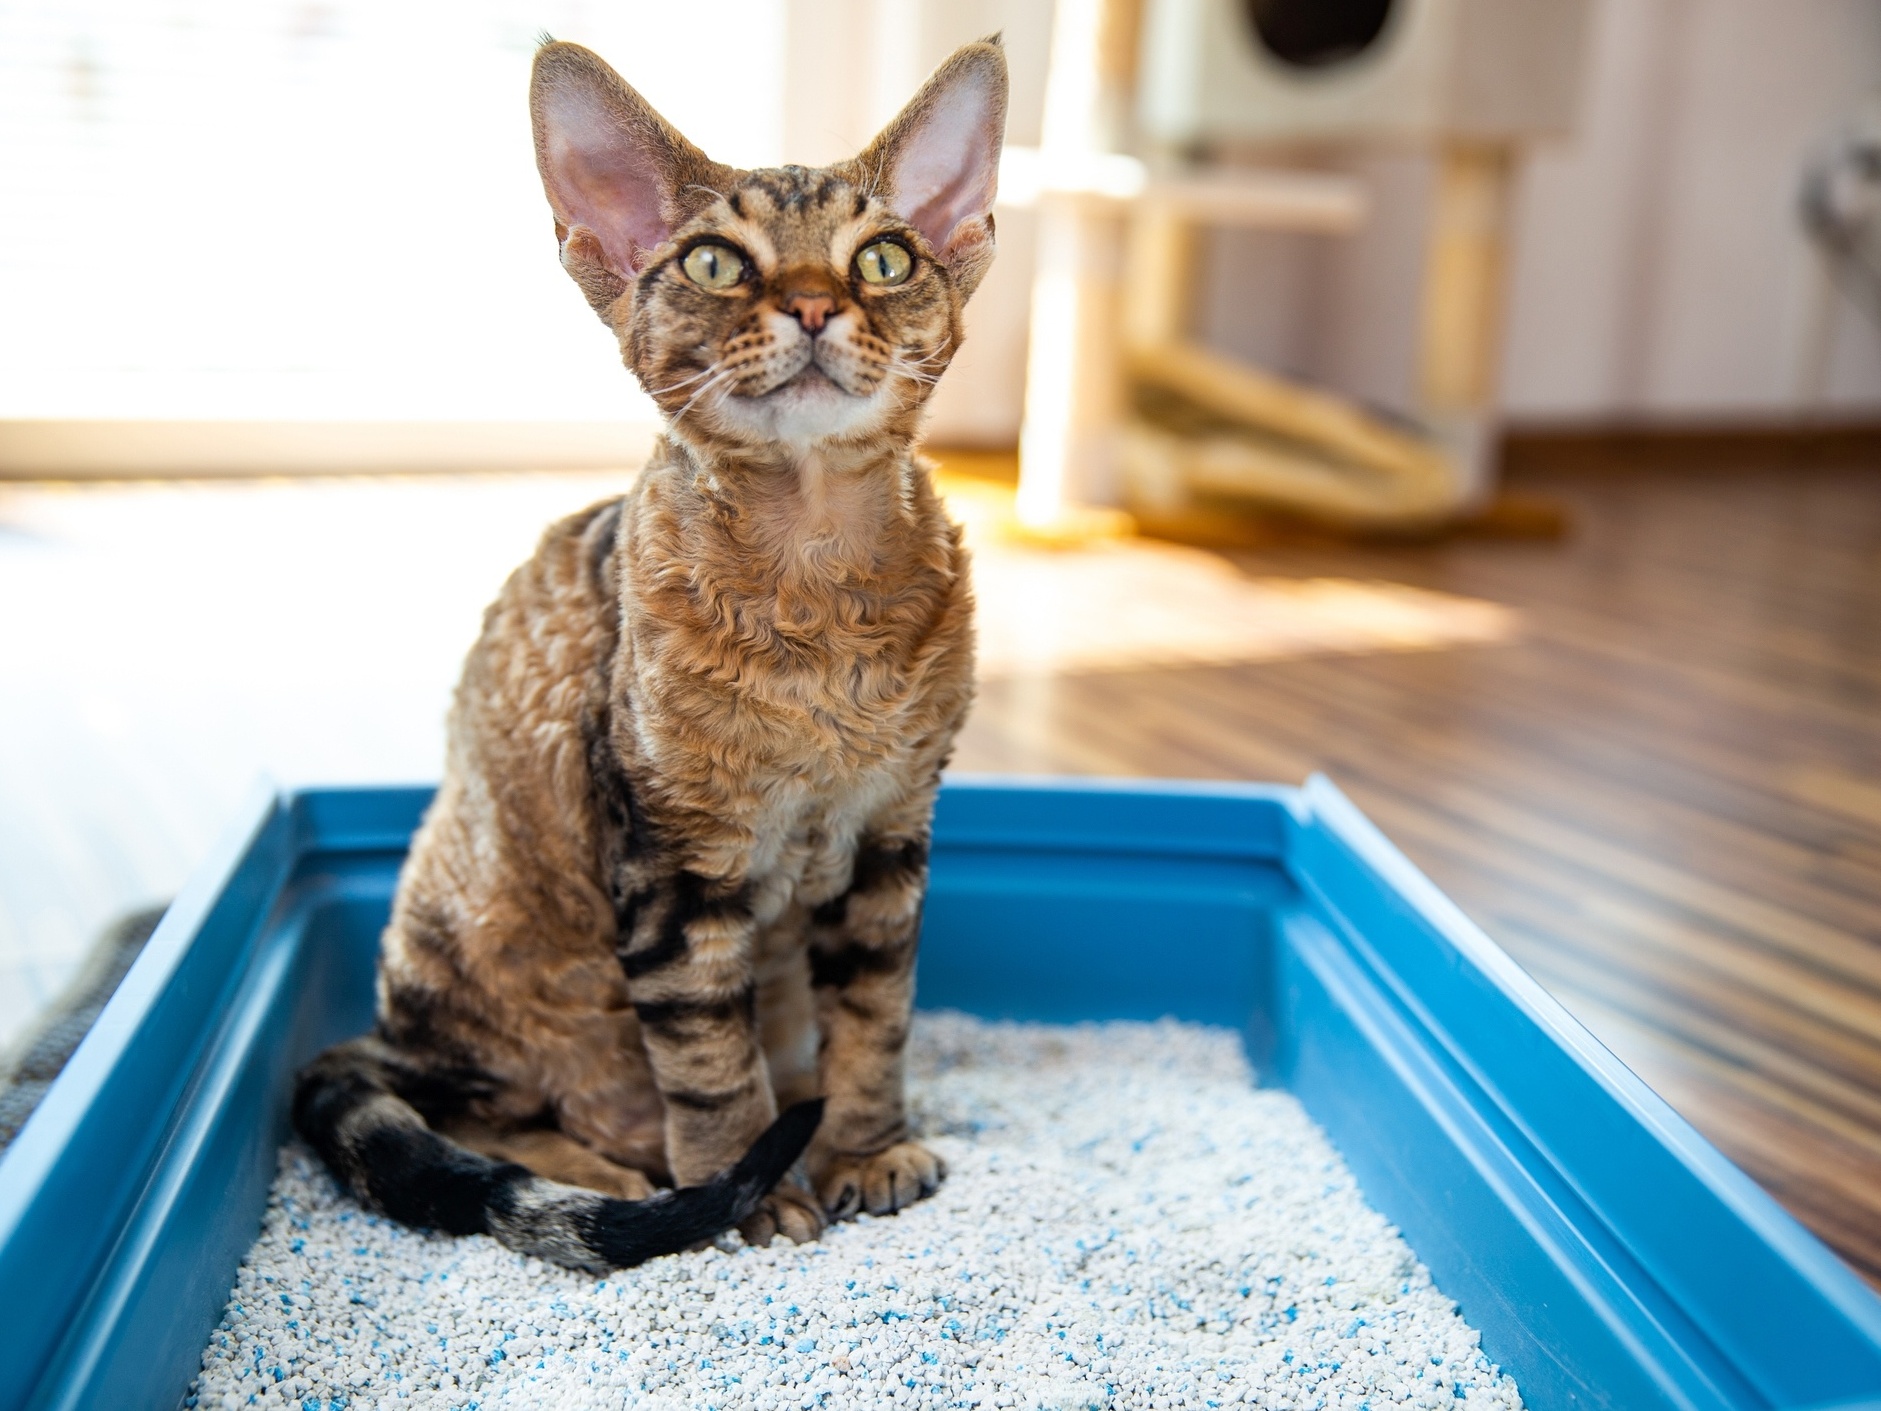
348, 1107
624, 1232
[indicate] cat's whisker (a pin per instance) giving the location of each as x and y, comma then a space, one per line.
680, 415
912, 373
705, 371
729, 374
727, 368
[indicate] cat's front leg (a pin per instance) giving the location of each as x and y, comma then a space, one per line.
862, 949
689, 965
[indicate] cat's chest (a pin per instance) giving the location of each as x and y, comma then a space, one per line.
803, 840
819, 685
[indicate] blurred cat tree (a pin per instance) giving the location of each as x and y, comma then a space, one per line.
1120, 403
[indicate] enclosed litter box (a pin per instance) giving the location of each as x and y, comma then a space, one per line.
1609, 1256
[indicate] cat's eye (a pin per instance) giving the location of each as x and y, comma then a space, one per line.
884, 262
713, 266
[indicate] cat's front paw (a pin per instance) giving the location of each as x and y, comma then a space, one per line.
790, 1211
880, 1184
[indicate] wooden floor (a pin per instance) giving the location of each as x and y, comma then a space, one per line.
1664, 799
1646, 758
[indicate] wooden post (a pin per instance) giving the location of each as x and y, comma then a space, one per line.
1465, 267
1074, 376
1161, 265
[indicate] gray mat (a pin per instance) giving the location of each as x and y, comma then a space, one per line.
44, 1052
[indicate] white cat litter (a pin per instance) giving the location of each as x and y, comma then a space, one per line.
1127, 1223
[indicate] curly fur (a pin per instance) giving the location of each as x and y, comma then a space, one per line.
673, 876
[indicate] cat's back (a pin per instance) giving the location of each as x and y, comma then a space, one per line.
542, 656
529, 711
508, 848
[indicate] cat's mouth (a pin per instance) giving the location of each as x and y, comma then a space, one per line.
808, 405
814, 376
809, 381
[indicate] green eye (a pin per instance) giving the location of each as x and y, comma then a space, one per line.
713, 266
884, 262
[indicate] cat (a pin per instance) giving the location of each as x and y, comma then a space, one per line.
673, 877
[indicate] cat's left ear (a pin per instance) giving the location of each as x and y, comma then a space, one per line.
937, 163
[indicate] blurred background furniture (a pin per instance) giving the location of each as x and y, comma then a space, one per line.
1121, 401
1655, 268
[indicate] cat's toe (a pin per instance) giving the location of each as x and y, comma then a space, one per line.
789, 1211
883, 1183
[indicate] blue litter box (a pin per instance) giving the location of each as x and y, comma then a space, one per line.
1609, 1255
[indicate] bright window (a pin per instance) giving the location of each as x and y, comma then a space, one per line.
310, 209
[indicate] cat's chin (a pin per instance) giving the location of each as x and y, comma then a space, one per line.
809, 407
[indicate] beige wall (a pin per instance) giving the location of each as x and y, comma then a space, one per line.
1658, 270
1658, 267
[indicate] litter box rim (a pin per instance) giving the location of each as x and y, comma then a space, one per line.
1624, 1218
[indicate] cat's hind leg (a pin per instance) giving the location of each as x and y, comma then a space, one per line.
787, 1026
348, 1107
553, 1155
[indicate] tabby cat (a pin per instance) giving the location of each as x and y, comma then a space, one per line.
673, 877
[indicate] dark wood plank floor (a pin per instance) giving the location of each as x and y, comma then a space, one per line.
1664, 800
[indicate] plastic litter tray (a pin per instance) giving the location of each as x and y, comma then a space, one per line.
1609, 1255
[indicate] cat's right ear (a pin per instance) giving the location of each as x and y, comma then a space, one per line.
614, 170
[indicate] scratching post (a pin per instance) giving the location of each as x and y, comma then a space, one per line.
1465, 270
1074, 391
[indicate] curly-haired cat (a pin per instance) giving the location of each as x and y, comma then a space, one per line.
673, 877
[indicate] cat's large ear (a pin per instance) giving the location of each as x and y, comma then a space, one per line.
617, 174
937, 163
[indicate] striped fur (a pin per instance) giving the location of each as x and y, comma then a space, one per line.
673, 877
348, 1107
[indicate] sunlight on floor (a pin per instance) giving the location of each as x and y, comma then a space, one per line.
1117, 603
166, 644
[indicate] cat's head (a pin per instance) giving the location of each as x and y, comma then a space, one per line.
781, 307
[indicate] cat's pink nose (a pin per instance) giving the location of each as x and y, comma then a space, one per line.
810, 310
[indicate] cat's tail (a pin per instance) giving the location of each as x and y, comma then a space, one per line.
347, 1108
